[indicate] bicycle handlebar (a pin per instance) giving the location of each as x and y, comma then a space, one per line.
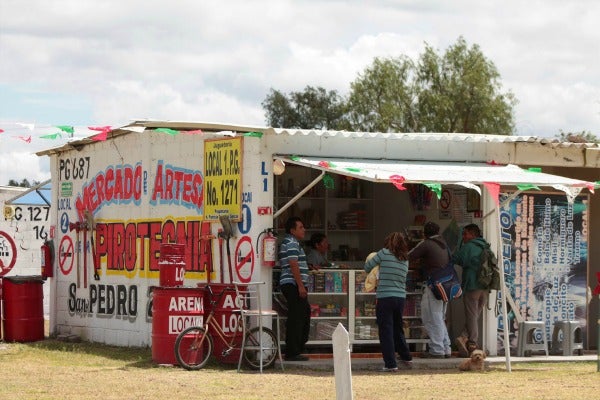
212, 295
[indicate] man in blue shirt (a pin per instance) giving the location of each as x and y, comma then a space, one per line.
293, 283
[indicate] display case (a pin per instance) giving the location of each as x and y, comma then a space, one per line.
337, 296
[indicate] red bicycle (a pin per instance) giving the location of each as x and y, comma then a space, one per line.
194, 346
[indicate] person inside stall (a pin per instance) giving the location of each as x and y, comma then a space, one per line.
317, 255
391, 295
293, 283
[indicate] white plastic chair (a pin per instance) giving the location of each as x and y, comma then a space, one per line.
253, 315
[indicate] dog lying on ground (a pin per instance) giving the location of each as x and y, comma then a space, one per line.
475, 363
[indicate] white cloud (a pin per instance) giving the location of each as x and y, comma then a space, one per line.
107, 62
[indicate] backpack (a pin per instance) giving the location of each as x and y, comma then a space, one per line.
488, 275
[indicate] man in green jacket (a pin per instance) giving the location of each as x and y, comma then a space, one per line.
475, 297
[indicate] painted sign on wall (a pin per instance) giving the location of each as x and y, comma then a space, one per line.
545, 257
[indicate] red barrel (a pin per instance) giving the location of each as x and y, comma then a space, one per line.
173, 310
225, 317
171, 264
23, 308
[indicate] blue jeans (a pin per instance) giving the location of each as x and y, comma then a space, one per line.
433, 315
391, 331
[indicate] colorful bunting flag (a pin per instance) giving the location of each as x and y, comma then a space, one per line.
100, 128
493, 189
28, 126
101, 137
534, 169
1, 130
436, 188
26, 139
398, 181
66, 128
351, 169
168, 131
591, 186
528, 186
51, 136
325, 164
253, 134
194, 132
328, 182
295, 158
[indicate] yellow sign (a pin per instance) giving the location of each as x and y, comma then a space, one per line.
223, 178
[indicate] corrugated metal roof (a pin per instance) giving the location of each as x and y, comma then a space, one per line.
141, 125
452, 137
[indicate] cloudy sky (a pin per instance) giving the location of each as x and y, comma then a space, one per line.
94, 63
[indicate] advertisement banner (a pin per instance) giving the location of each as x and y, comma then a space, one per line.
545, 260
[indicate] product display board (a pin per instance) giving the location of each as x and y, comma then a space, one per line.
545, 259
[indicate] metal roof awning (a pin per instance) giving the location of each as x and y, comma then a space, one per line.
445, 173
39, 195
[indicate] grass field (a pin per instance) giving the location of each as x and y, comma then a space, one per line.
57, 370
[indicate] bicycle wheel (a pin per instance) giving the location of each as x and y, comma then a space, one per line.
193, 348
257, 342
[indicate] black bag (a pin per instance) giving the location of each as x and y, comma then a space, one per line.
444, 282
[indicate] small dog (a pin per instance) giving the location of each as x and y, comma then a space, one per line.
475, 363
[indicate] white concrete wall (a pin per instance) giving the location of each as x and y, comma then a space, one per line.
21, 238
130, 227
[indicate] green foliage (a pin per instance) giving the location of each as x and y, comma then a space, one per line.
312, 108
24, 183
457, 91
461, 92
383, 97
578, 137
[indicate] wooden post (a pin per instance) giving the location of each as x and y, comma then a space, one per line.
342, 365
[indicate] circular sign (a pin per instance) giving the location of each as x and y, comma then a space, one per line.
65, 255
8, 253
244, 259
445, 199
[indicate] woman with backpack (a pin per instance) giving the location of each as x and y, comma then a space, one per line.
475, 296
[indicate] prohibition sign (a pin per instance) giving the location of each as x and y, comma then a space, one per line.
244, 259
8, 251
65, 252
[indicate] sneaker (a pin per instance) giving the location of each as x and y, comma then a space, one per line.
386, 369
298, 357
461, 344
427, 354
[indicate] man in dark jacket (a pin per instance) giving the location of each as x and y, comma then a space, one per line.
475, 297
433, 253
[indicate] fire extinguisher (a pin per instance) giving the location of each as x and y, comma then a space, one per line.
269, 248
47, 256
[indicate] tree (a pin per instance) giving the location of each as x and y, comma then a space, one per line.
461, 92
458, 91
578, 137
24, 183
383, 97
312, 108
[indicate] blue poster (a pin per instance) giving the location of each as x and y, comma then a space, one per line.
545, 260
